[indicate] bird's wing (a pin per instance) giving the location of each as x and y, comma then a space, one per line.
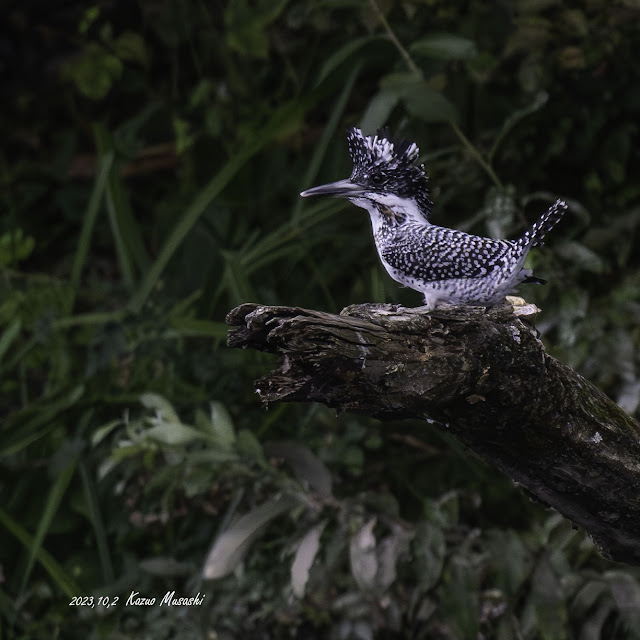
437, 253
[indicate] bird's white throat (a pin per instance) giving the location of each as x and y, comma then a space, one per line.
387, 208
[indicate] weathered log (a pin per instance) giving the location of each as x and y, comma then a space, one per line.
484, 375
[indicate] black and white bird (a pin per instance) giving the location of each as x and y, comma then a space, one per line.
446, 265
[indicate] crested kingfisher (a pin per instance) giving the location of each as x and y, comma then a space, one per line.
445, 265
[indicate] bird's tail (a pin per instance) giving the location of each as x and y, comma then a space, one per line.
549, 219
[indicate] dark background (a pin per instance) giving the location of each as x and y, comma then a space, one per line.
152, 155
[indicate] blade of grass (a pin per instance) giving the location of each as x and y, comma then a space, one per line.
204, 328
126, 136
267, 249
95, 516
236, 278
127, 235
189, 218
124, 261
271, 244
320, 279
88, 319
58, 489
377, 286
24, 429
60, 577
105, 163
181, 307
9, 335
19, 357
327, 135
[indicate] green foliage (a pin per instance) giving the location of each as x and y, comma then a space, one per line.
15, 247
163, 146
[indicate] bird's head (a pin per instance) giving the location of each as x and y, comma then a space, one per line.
385, 177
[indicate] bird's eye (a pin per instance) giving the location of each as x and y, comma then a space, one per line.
376, 179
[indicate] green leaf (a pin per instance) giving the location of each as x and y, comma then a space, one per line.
246, 26
160, 405
578, 255
212, 457
626, 594
130, 46
429, 105
233, 544
198, 327
378, 110
63, 580
15, 247
532, 33
173, 434
400, 82
42, 419
448, 507
304, 557
219, 425
248, 445
9, 336
460, 600
362, 556
353, 458
183, 135
546, 597
308, 468
389, 551
420, 99
166, 566
89, 218
127, 234
94, 71
593, 624
54, 498
345, 53
511, 558
91, 14
586, 598
94, 508
444, 46
102, 432
429, 549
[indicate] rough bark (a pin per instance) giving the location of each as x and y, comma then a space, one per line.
482, 374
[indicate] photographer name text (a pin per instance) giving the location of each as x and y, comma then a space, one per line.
169, 599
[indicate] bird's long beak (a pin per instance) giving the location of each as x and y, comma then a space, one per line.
339, 189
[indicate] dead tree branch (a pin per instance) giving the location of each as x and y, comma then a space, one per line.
485, 376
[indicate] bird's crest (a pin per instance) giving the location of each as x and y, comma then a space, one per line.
388, 166
380, 149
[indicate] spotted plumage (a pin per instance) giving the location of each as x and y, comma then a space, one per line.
444, 264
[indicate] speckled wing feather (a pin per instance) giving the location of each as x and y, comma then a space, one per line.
437, 253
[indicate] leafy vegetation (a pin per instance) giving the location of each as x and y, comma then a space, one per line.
152, 157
